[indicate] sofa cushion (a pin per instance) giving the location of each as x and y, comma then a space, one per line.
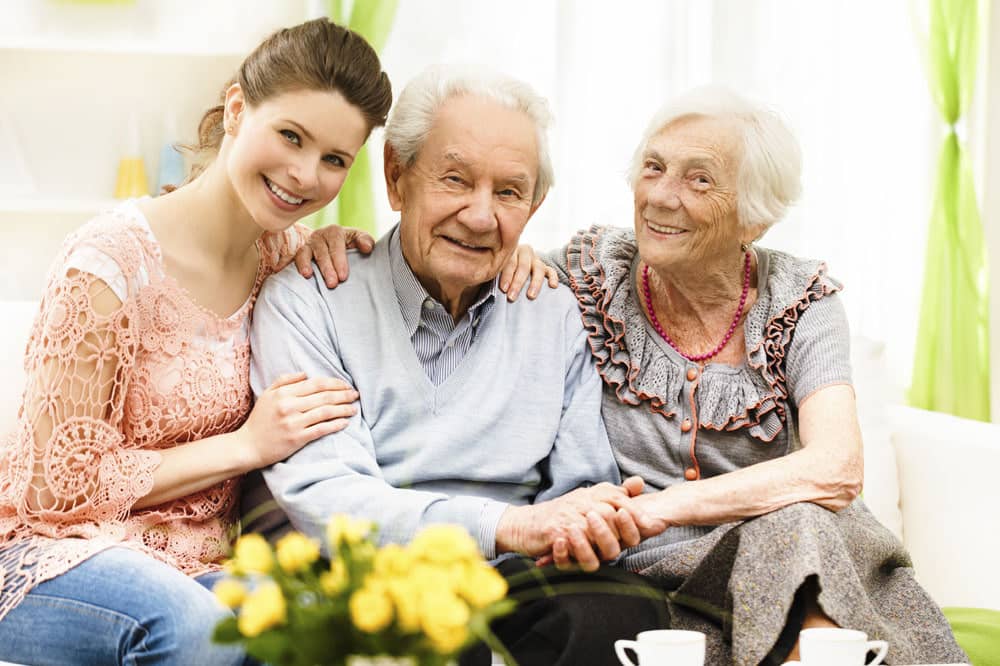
977, 630
875, 393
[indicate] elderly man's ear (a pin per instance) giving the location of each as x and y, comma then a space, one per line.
393, 170
536, 204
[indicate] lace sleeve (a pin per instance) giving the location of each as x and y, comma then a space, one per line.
276, 245
70, 464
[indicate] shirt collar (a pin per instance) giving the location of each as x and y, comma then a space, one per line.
410, 294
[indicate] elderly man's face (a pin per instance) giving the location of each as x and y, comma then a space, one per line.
468, 195
685, 197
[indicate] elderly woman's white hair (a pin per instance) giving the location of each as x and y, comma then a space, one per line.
413, 114
769, 177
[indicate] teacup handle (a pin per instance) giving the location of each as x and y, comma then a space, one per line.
621, 646
882, 648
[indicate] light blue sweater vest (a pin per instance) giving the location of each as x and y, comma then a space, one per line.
519, 420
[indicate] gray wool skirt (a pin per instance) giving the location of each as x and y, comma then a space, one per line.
743, 583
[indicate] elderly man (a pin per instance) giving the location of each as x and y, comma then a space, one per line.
473, 410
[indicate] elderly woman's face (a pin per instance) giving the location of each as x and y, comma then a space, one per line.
685, 196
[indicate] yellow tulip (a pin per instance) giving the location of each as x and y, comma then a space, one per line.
296, 551
393, 561
405, 596
482, 585
430, 578
334, 581
444, 544
444, 618
230, 592
344, 529
264, 608
371, 608
253, 554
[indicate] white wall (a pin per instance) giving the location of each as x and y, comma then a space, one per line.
846, 74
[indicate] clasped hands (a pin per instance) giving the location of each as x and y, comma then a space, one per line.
585, 526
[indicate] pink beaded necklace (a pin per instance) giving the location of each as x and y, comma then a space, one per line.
732, 326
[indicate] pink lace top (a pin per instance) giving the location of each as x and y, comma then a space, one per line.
108, 387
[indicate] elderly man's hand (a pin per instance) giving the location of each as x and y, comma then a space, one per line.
328, 247
593, 524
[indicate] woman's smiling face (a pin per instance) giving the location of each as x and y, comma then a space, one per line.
685, 195
289, 155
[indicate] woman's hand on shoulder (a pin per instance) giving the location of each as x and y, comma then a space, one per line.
292, 412
328, 247
525, 266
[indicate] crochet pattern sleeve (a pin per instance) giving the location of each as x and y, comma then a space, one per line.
69, 465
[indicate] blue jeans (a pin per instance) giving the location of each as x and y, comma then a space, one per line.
118, 607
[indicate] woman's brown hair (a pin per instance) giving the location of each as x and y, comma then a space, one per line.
315, 55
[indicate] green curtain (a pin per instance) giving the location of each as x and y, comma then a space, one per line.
951, 370
355, 205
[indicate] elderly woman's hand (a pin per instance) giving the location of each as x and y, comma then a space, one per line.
523, 265
613, 522
328, 247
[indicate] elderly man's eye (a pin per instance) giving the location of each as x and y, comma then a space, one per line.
291, 136
452, 178
510, 193
652, 166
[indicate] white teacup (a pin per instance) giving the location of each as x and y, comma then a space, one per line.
838, 647
664, 646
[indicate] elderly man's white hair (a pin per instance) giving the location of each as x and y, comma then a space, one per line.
769, 177
413, 114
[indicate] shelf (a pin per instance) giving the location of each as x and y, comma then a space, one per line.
66, 206
116, 47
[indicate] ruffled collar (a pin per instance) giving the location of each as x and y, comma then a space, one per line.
641, 368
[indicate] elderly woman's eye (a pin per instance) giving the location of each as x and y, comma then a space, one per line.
291, 136
652, 166
510, 193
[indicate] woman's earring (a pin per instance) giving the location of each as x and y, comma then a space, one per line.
744, 246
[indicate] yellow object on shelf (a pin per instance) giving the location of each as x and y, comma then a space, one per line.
131, 179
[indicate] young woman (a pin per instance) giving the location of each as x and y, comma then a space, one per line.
119, 486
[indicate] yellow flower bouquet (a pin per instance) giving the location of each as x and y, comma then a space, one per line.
424, 602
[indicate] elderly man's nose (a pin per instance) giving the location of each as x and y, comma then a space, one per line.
479, 211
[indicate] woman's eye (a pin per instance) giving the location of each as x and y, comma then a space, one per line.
652, 166
335, 160
291, 136
510, 193
453, 179
702, 181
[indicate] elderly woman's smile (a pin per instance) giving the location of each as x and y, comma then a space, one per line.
685, 191
665, 229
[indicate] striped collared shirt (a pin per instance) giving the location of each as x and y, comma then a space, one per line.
439, 341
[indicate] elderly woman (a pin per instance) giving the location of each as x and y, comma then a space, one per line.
728, 389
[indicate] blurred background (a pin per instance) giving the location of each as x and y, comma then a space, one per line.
86, 85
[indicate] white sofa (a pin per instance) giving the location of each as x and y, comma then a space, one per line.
931, 478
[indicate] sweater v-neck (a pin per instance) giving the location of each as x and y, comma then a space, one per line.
438, 396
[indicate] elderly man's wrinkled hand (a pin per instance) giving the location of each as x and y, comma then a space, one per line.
585, 527
625, 525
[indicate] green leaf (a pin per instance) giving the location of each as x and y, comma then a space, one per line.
271, 647
227, 631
